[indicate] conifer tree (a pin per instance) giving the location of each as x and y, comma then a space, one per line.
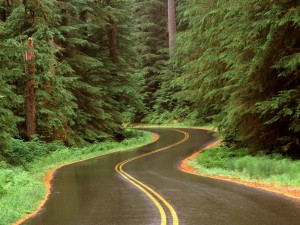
30, 103
84, 61
98, 53
38, 19
232, 69
171, 23
8, 98
153, 34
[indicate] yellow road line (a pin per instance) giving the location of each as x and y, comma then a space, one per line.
49, 176
158, 205
144, 188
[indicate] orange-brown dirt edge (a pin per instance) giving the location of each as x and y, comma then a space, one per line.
49, 176
291, 192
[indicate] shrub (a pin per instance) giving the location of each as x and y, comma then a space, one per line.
22, 152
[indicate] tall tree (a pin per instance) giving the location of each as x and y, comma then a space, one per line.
151, 17
84, 63
248, 87
171, 23
8, 97
30, 102
97, 50
38, 19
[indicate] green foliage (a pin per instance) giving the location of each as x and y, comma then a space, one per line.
231, 162
55, 103
65, 155
22, 152
153, 53
239, 64
21, 191
103, 90
18, 190
81, 90
217, 157
8, 98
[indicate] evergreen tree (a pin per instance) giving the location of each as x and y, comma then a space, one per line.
8, 98
98, 52
171, 23
232, 68
84, 63
151, 17
55, 106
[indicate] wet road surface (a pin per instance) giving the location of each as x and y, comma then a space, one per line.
144, 188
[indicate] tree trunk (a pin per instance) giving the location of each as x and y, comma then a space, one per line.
171, 23
30, 104
3, 15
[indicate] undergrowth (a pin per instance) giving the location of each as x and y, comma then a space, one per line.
21, 187
225, 161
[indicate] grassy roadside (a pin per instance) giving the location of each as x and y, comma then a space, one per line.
268, 169
21, 189
273, 169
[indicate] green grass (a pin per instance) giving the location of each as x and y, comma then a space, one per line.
272, 169
22, 189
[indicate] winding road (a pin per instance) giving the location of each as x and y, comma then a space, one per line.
144, 187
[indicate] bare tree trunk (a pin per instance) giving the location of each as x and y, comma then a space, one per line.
30, 104
171, 23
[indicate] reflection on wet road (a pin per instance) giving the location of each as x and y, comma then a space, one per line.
144, 187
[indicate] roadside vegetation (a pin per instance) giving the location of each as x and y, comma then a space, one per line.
263, 168
225, 70
235, 65
21, 186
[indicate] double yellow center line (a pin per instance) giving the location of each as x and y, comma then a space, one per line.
156, 198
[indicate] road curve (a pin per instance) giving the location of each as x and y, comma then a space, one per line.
144, 187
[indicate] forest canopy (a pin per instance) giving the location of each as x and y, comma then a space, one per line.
239, 68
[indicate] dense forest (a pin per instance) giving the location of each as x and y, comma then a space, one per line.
75, 71
81, 78
238, 64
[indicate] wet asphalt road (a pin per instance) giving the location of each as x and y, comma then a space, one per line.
93, 193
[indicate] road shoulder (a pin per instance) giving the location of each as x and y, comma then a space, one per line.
287, 191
